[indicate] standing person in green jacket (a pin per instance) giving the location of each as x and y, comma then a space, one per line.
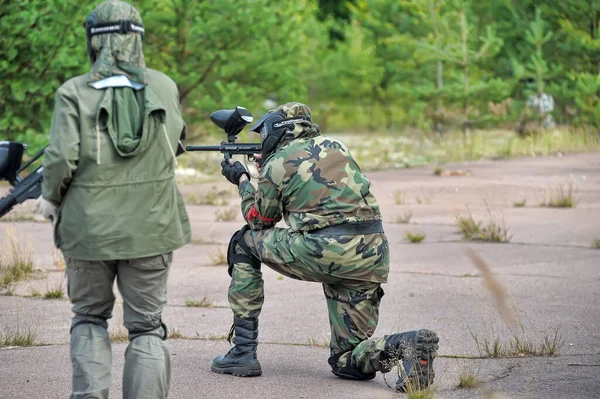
335, 237
109, 187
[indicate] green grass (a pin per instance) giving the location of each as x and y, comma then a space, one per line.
415, 238
399, 197
213, 198
520, 204
218, 258
227, 215
56, 292
19, 337
473, 230
404, 218
560, 198
468, 380
409, 150
596, 243
16, 260
175, 334
202, 303
519, 344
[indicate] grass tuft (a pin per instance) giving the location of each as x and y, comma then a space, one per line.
119, 336
596, 243
202, 303
468, 380
560, 198
414, 391
519, 345
56, 292
438, 171
175, 334
520, 204
473, 230
218, 258
20, 337
58, 260
415, 238
404, 218
213, 198
399, 197
35, 293
16, 260
227, 215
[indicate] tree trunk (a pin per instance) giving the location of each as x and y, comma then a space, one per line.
465, 62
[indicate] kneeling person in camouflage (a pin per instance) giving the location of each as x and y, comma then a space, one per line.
335, 237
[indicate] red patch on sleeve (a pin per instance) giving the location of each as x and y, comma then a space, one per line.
253, 212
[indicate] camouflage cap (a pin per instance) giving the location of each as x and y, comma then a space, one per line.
294, 110
116, 53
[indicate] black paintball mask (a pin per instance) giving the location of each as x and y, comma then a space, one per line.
273, 127
93, 28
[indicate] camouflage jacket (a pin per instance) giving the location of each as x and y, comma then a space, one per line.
311, 181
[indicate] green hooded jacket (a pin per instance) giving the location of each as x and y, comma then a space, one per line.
112, 174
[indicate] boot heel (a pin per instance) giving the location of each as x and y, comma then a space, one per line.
420, 364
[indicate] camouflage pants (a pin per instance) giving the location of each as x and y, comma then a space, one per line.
351, 270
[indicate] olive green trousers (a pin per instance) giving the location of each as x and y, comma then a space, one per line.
142, 284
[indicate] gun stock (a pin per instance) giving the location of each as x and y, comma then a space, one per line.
23, 189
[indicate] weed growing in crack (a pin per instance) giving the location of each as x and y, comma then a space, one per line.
175, 334
202, 303
316, 343
520, 204
473, 230
404, 218
468, 379
16, 261
415, 238
213, 198
596, 243
218, 258
560, 198
55, 292
519, 345
227, 215
58, 260
19, 337
399, 197
119, 336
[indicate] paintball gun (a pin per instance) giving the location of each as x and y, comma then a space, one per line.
29, 187
232, 121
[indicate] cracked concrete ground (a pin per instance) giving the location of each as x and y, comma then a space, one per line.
549, 269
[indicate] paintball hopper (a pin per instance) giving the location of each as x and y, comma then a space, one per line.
11, 154
232, 121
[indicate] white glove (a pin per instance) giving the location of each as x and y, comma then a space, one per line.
46, 208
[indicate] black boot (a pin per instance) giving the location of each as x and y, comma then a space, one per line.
348, 372
416, 349
241, 360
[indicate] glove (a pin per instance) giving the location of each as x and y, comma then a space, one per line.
46, 208
234, 172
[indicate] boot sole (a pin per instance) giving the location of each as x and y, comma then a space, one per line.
249, 370
422, 374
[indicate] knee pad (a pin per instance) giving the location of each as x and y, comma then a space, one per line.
247, 257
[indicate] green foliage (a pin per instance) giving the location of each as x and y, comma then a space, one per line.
224, 53
42, 44
376, 65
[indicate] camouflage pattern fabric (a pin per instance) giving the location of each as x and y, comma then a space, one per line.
118, 54
312, 182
